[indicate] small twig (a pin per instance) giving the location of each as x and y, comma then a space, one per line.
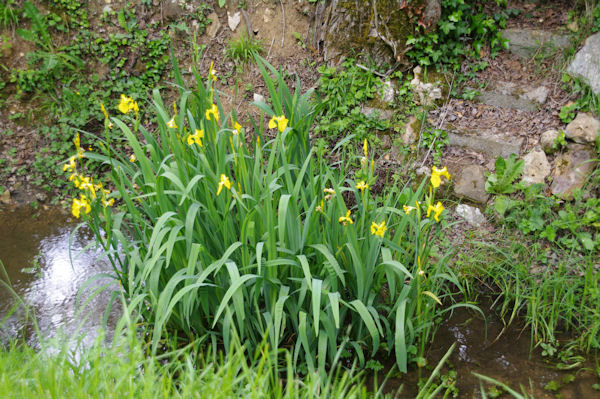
247, 22
441, 121
269, 53
374, 72
283, 32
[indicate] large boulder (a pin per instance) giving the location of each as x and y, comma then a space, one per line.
586, 64
378, 28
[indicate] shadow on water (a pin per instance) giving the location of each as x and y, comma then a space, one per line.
47, 265
507, 359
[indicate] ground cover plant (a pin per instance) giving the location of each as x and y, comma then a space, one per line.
245, 232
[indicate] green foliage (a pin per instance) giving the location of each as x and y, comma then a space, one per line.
342, 91
252, 237
125, 369
434, 140
9, 13
506, 172
463, 30
243, 49
586, 101
570, 226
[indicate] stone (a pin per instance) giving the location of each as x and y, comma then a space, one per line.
5, 197
573, 26
427, 92
171, 9
388, 92
586, 64
583, 129
233, 20
470, 184
471, 214
371, 112
492, 144
572, 169
539, 94
214, 26
258, 97
547, 140
526, 43
411, 131
505, 94
537, 167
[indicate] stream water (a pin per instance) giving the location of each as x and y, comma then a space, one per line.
46, 265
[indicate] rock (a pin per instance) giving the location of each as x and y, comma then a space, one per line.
411, 133
233, 20
573, 26
537, 167
5, 197
388, 92
372, 112
470, 184
586, 64
172, 9
471, 214
258, 97
214, 26
547, 140
571, 170
377, 28
539, 94
41, 197
583, 129
268, 15
486, 142
505, 94
527, 42
427, 92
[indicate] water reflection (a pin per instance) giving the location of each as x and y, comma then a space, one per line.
47, 262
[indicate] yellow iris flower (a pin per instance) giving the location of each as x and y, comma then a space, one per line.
362, 186
171, 124
378, 229
237, 128
408, 209
436, 174
127, 105
346, 219
224, 182
79, 204
69, 166
211, 72
280, 122
214, 111
132, 158
365, 148
196, 137
437, 211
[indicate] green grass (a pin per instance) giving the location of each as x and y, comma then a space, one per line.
243, 49
125, 369
554, 293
